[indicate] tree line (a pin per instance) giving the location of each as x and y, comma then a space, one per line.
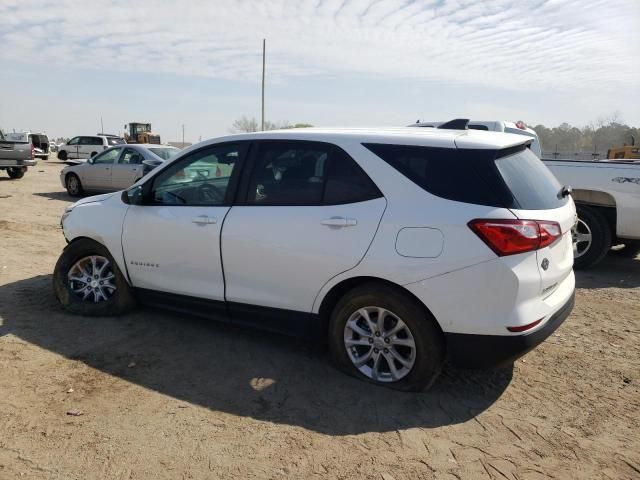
597, 136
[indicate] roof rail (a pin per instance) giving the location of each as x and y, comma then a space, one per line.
456, 124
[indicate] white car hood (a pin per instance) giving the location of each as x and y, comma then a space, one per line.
95, 198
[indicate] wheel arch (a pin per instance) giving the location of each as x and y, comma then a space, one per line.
121, 265
337, 291
604, 202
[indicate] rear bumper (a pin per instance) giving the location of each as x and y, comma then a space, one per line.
486, 351
18, 163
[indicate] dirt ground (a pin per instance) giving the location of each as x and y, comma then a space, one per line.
157, 395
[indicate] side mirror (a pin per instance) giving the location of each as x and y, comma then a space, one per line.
93, 154
132, 196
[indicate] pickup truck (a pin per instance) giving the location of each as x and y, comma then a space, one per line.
607, 197
15, 157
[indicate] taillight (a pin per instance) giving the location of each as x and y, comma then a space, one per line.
33, 152
510, 237
104, 147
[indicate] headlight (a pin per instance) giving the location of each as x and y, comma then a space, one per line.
67, 212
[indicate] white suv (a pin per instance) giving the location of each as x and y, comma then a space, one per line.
78, 149
401, 247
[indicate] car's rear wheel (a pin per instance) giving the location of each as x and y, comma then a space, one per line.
383, 336
87, 281
62, 155
16, 172
591, 238
73, 184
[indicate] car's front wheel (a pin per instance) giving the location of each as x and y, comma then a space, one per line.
381, 335
74, 186
87, 281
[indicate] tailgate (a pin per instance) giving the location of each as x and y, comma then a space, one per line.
555, 261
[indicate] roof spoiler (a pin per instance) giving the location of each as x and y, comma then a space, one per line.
456, 124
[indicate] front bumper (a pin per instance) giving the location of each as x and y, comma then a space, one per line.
18, 163
486, 351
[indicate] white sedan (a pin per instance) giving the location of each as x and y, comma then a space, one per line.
114, 169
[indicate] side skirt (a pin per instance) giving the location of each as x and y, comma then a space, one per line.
288, 322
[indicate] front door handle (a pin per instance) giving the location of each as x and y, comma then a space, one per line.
204, 220
339, 222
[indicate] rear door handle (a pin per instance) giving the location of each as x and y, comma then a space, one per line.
339, 222
204, 220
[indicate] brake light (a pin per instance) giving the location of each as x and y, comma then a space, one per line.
104, 147
510, 237
33, 152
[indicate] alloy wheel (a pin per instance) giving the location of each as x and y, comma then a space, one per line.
582, 237
92, 279
379, 344
73, 185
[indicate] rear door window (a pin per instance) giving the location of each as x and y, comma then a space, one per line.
288, 173
347, 182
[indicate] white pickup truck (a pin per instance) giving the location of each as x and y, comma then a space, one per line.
606, 193
607, 197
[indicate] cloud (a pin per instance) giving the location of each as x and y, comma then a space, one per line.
519, 45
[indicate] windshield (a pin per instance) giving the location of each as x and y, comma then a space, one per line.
165, 153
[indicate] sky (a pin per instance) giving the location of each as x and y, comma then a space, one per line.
65, 64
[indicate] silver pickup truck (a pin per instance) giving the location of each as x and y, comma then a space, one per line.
15, 157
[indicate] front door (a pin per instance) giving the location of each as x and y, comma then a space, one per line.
308, 213
96, 174
172, 243
127, 170
72, 147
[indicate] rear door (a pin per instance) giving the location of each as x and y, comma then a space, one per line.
538, 195
306, 213
127, 169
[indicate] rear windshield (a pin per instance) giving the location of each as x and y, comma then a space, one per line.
164, 153
530, 181
513, 178
114, 141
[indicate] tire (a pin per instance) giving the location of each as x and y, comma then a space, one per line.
421, 329
73, 185
116, 301
62, 155
46, 157
16, 172
590, 252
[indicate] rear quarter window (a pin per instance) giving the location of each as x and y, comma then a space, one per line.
511, 178
445, 172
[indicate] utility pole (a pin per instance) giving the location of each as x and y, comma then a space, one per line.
101, 125
183, 135
264, 47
